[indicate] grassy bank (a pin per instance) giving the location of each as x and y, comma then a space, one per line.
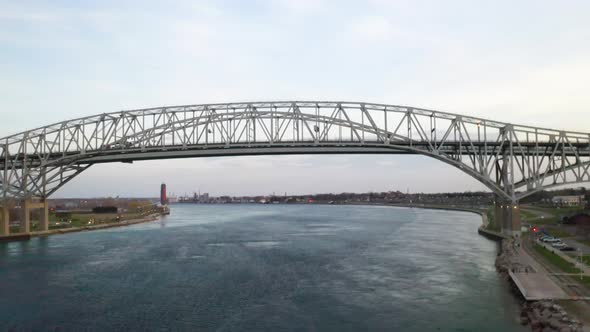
84, 220
558, 233
492, 226
562, 264
556, 260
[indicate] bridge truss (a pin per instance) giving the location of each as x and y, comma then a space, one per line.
513, 161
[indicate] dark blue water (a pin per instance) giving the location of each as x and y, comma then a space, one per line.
261, 268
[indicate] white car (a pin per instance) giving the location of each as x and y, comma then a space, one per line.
558, 245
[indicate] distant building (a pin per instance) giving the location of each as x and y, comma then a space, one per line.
172, 199
577, 219
71, 205
568, 200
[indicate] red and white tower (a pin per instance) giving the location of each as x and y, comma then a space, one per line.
163, 198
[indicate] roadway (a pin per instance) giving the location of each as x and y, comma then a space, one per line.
578, 245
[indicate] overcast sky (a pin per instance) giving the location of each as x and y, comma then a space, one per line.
525, 62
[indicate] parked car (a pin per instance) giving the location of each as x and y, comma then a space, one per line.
558, 245
567, 248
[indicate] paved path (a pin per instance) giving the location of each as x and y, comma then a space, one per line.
572, 287
535, 282
537, 286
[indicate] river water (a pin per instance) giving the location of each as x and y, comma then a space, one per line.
262, 268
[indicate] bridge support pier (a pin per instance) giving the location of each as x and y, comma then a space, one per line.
44, 218
25, 216
498, 216
25, 221
5, 221
507, 217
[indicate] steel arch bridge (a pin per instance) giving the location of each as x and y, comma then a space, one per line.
513, 161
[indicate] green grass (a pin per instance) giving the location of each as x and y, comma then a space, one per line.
544, 221
491, 221
585, 281
558, 233
556, 211
585, 258
81, 220
527, 215
490, 214
556, 260
562, 264
493, 228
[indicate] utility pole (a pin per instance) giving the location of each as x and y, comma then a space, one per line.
581, 263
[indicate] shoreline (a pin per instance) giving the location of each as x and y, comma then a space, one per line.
22, 237
539, 315
420, 206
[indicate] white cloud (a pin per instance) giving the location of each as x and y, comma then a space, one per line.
15, 14
552, 95
387, 163
300, 6
374, 29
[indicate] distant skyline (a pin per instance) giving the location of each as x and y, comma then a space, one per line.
524, 62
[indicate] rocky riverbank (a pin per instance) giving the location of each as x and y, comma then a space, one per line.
541, 316
548, 316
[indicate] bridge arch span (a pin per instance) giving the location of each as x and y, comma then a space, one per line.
514, 161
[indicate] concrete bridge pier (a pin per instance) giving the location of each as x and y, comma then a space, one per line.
507, 217
4, 220
44, 218
25, 216
25, 222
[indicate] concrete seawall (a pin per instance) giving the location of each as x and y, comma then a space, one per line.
491, 234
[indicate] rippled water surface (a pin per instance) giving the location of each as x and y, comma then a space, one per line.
262, 268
